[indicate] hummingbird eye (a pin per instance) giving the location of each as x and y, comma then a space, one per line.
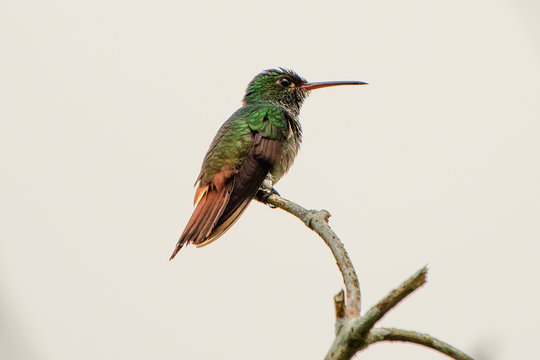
284, 82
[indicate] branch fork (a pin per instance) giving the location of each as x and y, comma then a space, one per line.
355, 332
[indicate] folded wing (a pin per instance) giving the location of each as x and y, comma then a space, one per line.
221, 202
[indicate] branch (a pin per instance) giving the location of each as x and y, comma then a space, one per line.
354, 335
318, 222
354, 332
393, 298
339, 305
391, 334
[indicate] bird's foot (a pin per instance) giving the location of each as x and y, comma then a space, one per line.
264, 193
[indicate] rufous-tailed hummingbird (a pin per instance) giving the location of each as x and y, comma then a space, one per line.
258, 142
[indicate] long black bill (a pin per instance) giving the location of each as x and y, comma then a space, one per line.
318, 85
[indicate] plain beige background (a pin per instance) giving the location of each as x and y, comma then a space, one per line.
107, 109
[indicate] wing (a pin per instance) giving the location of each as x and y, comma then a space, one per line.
221, 199
262, 156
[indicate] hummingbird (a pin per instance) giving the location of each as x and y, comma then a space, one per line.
252, 150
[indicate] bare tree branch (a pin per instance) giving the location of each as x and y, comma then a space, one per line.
353, 336
317, 220
354, 332
387, 303
391, 334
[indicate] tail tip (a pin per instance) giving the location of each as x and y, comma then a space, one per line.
174, 253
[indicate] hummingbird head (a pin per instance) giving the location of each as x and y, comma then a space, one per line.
281, 87
285, 88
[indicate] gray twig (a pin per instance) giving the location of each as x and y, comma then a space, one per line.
354, 332
391, 334
317, 220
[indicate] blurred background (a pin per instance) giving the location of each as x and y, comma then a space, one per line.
108, 107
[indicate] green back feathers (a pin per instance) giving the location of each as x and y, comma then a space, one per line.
270, 121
